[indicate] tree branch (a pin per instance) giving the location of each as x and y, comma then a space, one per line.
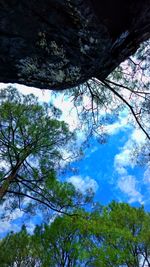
127, 88
40, 201
129, 106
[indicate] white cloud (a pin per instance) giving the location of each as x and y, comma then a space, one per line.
83, 183
138, 136
123, 159
7, 226
7, 223
69, 113
70, 116
4, 209
122, 123
30, 226
4, 85
43, 95
147, 175
128, 185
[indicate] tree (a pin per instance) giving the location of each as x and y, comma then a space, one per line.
61, 44
98, 103
15, 250
32, 140
119, 236
61, 243
115, 235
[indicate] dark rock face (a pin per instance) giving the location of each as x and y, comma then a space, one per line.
58, 44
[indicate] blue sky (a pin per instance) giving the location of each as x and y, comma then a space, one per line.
106, 168
101, 164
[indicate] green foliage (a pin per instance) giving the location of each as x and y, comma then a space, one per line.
32, 143
15, 250
115, 235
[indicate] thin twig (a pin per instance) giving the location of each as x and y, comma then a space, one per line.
129, 106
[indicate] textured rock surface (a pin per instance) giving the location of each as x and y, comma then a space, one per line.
58, 44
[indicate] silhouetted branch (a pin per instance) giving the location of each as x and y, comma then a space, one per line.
129, 106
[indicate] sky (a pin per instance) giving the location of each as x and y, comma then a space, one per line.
106, 168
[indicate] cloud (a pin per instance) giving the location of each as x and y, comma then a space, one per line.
69, 113
13, 215
123, 159
114, 128
83, 183
120, 124
30, 226
70, 116
7, 226
12, 225
14, 219
138, 136
8, 223
128, 185
147, 175
43, 95
4, 85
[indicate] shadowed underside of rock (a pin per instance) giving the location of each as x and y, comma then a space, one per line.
58, 44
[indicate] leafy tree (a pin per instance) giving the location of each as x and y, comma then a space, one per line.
116, 235
15, 250
120, 238
57, 249
32, 140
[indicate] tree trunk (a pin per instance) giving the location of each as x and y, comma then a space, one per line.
58, 44
9, 179
13, 172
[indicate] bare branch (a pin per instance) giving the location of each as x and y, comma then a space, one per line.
129, 106
127, 88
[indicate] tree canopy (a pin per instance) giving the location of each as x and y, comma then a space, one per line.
114, 235
32, 143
